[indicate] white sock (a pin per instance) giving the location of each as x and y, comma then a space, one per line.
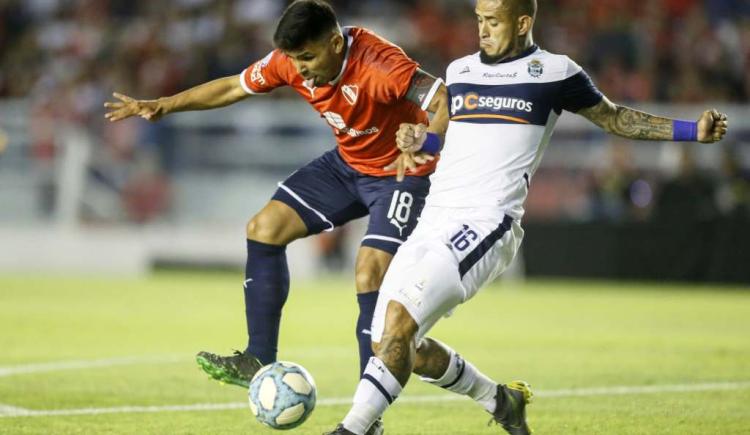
377, 389
463, 378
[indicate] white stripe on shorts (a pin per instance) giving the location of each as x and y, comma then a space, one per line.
302, 201
385, 238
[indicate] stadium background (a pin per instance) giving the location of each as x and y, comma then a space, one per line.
91, 213
187, 184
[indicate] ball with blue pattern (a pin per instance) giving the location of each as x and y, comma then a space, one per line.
282, 395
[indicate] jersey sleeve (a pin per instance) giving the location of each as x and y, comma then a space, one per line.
392, 71
577, 91
266, 74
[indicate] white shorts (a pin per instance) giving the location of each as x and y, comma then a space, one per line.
450, 255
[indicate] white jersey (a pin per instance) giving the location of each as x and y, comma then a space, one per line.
501, 120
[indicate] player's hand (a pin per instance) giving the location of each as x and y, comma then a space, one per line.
151, 110
410, 137
712, 126
408, 162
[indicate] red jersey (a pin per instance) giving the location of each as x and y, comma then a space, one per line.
364, 105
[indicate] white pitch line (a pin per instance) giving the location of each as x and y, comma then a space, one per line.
646, 389
576, 392
87, 364
7, 409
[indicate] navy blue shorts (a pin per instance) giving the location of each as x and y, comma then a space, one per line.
327, 193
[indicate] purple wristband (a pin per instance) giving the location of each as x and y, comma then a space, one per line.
684, 131
431, 144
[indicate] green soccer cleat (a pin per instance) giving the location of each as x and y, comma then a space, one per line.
511, 407
237, 369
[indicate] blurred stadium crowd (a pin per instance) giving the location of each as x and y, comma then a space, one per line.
661, 50
67, 56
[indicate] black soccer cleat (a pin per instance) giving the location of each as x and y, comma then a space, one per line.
375, 429
510, 411
237, 369
340, 430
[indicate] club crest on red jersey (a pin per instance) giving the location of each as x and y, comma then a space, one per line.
351, 92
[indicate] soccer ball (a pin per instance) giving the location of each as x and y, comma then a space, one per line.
282, 395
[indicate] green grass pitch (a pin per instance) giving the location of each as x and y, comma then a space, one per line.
683, 352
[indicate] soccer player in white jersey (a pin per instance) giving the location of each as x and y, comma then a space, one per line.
505, 101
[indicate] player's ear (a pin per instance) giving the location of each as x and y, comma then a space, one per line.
337, 42
525, 23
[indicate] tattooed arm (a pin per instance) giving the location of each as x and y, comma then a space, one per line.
633, 124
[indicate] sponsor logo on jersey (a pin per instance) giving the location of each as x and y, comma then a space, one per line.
473, 101
500, 75
337, 121
256, 75
351, 92
536, 68
465, 70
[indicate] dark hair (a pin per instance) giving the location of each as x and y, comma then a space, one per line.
304, 21
526, 7
521, 7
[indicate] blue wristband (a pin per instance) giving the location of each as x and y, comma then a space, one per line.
431, 144
684, 131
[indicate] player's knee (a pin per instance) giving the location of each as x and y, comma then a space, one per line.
399, 323
371, 267
265, 229
256, 228
367, 279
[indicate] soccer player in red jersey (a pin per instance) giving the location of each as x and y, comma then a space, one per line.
364, 87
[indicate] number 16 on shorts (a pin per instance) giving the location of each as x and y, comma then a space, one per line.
464, 238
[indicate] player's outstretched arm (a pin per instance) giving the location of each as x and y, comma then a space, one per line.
633, 124
217, 93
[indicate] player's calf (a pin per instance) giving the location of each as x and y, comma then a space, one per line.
397, 346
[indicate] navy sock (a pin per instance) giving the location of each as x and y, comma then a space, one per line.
367, 302
266, 290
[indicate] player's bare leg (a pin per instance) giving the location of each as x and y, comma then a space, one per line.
370, 269
438, 364
385, 374
397, 356
276, 224
432, 359
266, 288
397, 348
